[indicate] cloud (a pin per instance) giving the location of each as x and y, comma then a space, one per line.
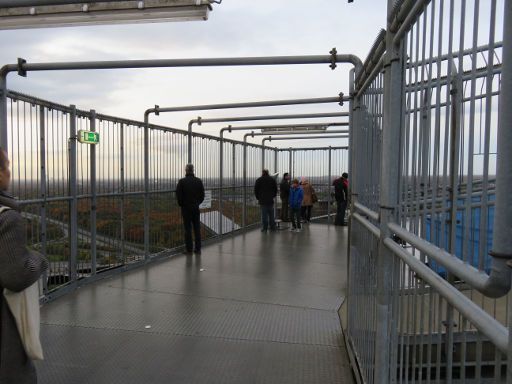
235, 28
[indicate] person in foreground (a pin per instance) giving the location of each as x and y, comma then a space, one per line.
296, 197
190, 194
19, 269
265, 190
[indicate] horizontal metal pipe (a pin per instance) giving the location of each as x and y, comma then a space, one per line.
365, 223
375, 54
253, 104
410, 19
494, 285
309, 149
39, 3
175, 63
489, 326
270, 138
399, 14
367, 211
282, 126
252, 134
200, 120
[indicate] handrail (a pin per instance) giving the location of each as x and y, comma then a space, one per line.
486, 324
495, 285
367, 211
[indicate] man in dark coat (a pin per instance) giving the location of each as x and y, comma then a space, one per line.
19, 269
341, 196
284, 194
190, 194
265, 191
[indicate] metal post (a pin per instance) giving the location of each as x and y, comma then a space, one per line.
502, 239
221, 179
146, 191
389, 198
93, 194
276, 157
244, 208
122, 190
42, 184
263, 155
73, 203
329, 177
189, 142
291, 162
234, 187
3, 112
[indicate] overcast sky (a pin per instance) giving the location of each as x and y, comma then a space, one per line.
235, 28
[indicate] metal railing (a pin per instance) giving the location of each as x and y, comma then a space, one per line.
431, 221
96, 209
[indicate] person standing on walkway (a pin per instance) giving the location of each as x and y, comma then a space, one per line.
265, 191
341, 196
307, 202
19, 269
284, 193
296, 196
190, 194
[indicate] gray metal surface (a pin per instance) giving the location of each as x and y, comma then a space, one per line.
255, 308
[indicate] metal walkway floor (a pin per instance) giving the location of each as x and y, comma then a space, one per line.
254, 308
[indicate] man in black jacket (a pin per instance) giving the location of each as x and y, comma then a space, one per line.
265, 190
190, 194
284, 193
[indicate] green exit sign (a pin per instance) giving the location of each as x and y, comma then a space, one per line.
88, 137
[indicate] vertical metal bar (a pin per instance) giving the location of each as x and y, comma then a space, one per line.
244, 207
263, 155
234, 187
92, 127
329, 177
488, 114
502, 241
42, 186
221, 179
3, 113
146, 191
389, 198
276, 159
292, 165
122, 190
73, 203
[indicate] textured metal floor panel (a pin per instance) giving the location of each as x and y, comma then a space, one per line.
257, 308
113, 356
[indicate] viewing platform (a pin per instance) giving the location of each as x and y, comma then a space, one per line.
252, 308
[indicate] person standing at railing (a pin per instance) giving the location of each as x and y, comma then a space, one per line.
284, 193
307, 202
190, 194
341, 195
265, 190
296, 196
19, 269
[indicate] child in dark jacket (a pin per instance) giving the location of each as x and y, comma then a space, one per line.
295, 199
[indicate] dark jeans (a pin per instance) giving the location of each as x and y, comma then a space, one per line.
191, 221
267, 217
340, 212
284, 210
306, 212
295, 217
